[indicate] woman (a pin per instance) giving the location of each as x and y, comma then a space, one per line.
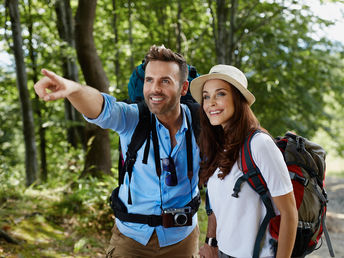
226, 119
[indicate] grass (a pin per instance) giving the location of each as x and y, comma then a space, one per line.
70, 221
202, 220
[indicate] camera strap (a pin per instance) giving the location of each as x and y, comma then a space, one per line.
188, 137
188, 148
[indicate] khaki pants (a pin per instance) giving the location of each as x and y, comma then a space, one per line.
125, 247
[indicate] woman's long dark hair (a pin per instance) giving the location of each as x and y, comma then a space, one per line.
220, 147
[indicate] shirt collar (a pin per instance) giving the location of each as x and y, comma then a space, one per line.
184, 125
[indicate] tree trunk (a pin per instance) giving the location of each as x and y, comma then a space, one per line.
38, 104
26, 108
231, 53
222, 36
98, 157
179, 27
65, 25
226, 31
115, 30
130, 36
213, 26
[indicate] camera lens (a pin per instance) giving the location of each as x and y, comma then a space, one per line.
180, 219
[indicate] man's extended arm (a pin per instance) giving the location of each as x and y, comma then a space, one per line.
85, 99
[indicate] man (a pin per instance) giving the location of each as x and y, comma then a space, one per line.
146, 192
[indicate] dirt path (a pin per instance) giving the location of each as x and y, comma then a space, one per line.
335, 219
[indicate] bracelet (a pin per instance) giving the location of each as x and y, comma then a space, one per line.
211, 241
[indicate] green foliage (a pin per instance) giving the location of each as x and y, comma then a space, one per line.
202, 219
10, 120
67, 215
296, 78
84, 194
289, 71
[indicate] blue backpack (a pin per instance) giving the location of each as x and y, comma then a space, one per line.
135, 85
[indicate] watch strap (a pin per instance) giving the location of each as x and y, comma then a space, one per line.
211, 241
209, 211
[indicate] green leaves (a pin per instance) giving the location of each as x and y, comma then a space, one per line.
289, 70
292, 73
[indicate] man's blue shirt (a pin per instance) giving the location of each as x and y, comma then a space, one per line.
149, 193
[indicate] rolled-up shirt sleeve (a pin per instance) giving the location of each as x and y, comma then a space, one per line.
118, 116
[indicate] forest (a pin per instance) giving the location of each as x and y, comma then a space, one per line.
57, 171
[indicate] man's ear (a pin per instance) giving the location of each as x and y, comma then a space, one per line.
185, 87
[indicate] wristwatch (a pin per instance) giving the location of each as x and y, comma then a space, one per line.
211, 241
209, 211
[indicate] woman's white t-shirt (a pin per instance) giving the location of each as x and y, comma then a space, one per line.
238, 219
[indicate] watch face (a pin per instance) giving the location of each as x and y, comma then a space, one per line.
211, 241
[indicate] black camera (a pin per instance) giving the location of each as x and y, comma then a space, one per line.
176, 217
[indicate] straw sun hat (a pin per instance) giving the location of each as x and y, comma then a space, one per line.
227, 73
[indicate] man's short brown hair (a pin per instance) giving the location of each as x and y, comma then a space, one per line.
161, 53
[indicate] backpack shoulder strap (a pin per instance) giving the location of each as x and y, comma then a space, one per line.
194, 110
142, 129
249, 167
252, 174
141, 133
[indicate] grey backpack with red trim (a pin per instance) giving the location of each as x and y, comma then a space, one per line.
306, 165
